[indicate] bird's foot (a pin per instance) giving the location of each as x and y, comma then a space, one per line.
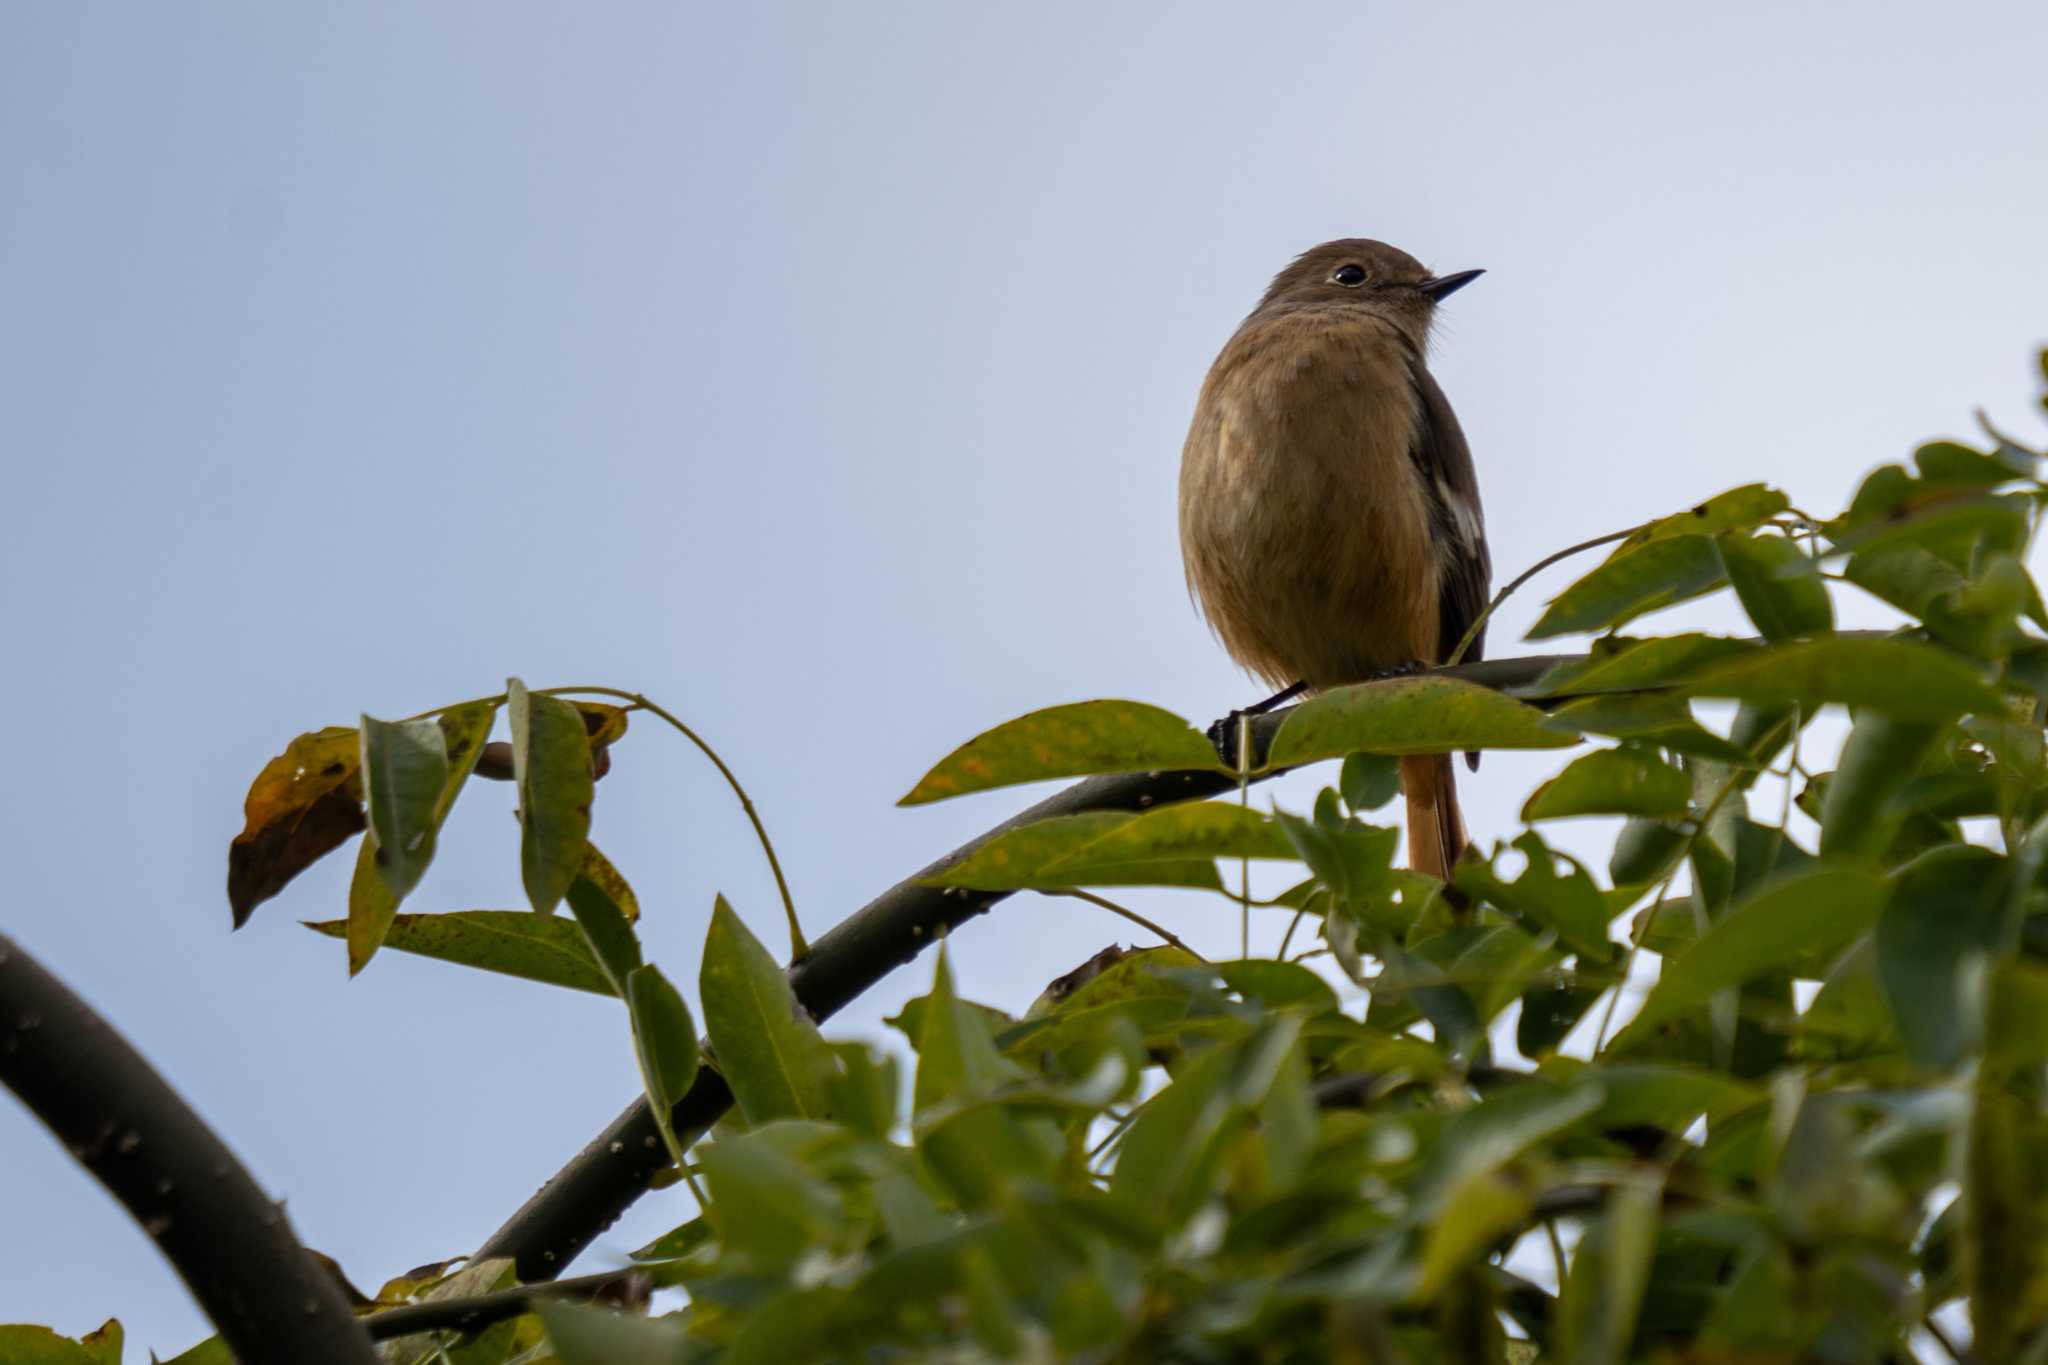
1224, 733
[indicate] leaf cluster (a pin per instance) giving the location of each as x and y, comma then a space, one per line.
1454, 1124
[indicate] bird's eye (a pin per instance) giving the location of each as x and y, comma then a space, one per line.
1350, 276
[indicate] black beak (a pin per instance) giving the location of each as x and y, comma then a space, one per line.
1441, 287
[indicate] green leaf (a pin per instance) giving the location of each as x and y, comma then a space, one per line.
677, 1242
1738, 509
1663, 1095
1933, 942
1902, 678
405, 767
956, 1057
1910, 578
1137, 986
665, 1041
1859, 812
1278, 985
1369, 781
767, 1046
371, 905
1355, 862
1197, 829
106, 1342
25, 1345
1068, 741
1050, 855
1778, 584
551, 766
1475, 1214
1421, 715
212, 1351
1551, 1009
864, 1093
1630, 780
1806, 913
598, 1336
1623, 665
513, 942
1487, 1136
1645, 851
1657, 718
1567, 903
2004, 1199
1169, 1156
1638, 579
379, 882
1949, 462
611, 938
1603, 1294
1495, 967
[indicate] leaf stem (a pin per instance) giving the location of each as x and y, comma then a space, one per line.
799, 947
1479, 623
1288, 937
1103, 902
1244, 864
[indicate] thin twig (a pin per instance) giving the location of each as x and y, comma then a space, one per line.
1479, 623
1116, 1131
798, 947
1288, 937
481, 1310
1941, 1339
1244, 871
1103, 902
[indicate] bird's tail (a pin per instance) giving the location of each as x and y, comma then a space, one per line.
1436, 832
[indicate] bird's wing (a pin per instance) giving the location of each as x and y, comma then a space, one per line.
1457, 523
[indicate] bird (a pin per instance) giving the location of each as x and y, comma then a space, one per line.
1330, 520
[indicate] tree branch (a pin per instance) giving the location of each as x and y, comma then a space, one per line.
123, 1122
604, 1179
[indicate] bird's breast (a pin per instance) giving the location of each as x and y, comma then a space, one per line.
1304, 523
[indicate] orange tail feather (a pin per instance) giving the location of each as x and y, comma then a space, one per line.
1436, 832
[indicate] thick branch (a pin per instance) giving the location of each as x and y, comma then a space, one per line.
604, 1179
220, 1232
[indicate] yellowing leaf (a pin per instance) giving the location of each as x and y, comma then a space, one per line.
1422, 715
1067, 741
303, 805
513, 942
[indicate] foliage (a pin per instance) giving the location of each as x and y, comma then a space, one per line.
1461, 1136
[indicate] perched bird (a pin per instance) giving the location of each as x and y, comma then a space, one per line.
1329, 511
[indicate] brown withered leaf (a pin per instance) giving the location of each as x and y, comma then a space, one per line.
305, 803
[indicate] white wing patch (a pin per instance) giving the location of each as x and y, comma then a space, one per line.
1463, 515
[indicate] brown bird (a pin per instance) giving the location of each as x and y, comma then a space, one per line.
1329, 511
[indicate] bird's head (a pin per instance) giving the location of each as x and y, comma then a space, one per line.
1357, 272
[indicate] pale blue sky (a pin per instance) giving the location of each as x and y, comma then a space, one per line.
822, 371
